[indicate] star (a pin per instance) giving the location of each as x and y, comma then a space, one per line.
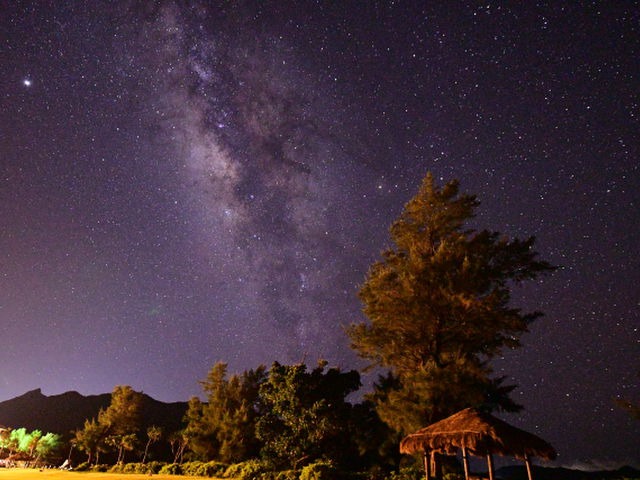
27, 82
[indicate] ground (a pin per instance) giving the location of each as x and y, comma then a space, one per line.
53, 474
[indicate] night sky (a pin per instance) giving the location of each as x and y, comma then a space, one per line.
187, 182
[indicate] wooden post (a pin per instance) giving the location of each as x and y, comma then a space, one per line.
427, 465
437, 466
465, 463
490, 466
527, 463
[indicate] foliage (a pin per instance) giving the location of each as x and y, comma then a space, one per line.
375, 444
178, 441
82, 467
320, 470
438, 305
90, 439
171, 469
305, 414
122, 443
282, 475
154, 433
115, 427
123, 415
412, 472
203, 469
154, 467
137, 467
47, 446
248, 470
34, 444
453, 476
223, 427
17, 439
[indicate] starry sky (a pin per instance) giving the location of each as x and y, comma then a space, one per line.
188, 182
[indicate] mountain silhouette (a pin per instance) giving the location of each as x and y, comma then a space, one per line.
67, 412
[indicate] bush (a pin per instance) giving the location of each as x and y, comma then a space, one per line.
453, 476
171, 469
117, 468
203, 469
412, 472
155, 466
83, 467
249, 470
320, 470
192, 468
287, 475
283, 475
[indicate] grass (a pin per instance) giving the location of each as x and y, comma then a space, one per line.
34, 474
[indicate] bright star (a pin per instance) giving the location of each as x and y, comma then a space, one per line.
26, 82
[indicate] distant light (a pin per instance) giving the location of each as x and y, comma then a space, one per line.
26, 82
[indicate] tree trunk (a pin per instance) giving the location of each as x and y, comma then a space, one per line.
146, 449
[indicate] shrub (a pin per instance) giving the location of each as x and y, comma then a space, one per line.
171, 469
453, 476
135, 467
249, 470
117, 468
155, 466
215, 468
83, 467
320, 470
203, 469
282, 475
287, 475
407, 473
192, 468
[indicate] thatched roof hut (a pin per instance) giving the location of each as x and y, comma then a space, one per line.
479, 434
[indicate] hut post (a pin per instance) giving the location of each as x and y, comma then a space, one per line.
436, 465
490, 465
465, 462
427, 465
527, 462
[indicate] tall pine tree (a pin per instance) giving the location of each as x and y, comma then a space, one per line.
438, 305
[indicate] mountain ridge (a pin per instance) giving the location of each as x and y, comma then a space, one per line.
66, 412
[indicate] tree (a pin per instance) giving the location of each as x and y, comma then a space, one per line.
223, 427
306, 416
438, 306
31, 442
178, 441
18, 438
154, 433
116, 426
122, 443
90, 439
123, 415
5, 438
47, 446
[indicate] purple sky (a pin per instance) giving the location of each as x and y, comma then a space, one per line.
180, 186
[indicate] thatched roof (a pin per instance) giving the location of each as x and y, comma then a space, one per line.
480, 433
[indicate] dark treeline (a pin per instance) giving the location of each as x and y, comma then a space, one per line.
288, 416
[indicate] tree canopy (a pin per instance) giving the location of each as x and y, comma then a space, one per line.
223, 427
117, 426
439, 309
306, 415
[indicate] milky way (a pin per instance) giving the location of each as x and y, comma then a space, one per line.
186, 184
